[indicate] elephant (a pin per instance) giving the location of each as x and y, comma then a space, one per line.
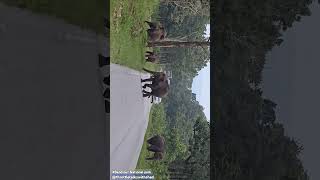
161, 90
151, 57
156, 34
156, 31
155, 76
159, 86
157, 145
155, 79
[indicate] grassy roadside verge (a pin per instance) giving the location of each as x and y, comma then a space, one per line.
156, 125
128, 35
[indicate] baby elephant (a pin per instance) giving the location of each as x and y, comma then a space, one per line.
157, 146
151, 57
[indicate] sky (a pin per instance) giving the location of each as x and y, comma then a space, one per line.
291, 81
201, 85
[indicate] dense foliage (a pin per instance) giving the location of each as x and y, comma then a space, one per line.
249, 143
187, 129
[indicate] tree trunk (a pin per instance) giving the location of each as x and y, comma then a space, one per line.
170, 44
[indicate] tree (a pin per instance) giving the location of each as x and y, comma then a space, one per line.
196, 165
249, 143
178, 44
182, 8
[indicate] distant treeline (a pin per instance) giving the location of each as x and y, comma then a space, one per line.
186, 129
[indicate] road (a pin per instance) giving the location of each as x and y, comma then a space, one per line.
129, 117
52, 117
53, 123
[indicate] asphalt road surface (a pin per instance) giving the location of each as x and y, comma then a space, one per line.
129, 117
53, 123
52, 117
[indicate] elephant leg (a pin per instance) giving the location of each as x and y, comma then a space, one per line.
146, 80
146, 93
149, 52
151, 158
154, 148
144, 86
106, 93
107, 106
147, 85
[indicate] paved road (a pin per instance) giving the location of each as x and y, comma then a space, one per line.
129, 117
52, 117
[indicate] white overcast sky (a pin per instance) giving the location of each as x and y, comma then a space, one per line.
201, 85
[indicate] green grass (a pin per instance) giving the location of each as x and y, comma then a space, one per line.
156, 125
87, 14
128, 34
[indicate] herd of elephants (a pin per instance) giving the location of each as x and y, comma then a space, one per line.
159, 81
159, 84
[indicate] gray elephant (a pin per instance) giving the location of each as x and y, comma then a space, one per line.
160, 90
156, 31
155, 80
155, 76
151, 57
157, 145
159, 86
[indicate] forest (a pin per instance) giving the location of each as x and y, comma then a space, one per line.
248, 141
183, 123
